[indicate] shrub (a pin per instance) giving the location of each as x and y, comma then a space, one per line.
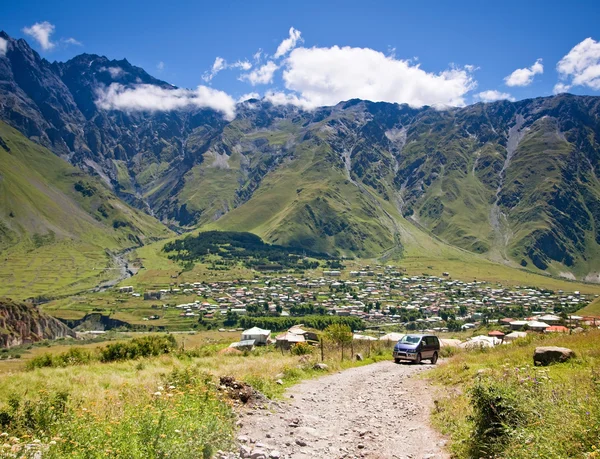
301, 349
145, 346
497, 411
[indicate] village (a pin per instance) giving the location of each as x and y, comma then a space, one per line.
383, 297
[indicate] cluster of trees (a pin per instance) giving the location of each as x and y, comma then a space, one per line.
245, 247
283, 323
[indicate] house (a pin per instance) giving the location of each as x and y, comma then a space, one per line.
259, 335
245, 345
518, 324
153, 295
537, 326
496, 334
127, 289
288, 339
557, 329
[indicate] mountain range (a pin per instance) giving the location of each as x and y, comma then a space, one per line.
516, 182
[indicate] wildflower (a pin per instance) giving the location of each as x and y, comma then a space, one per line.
177, 431
171, 387
161, 388
4, 434
157, 394
52, 442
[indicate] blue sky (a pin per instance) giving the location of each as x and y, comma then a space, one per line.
430, 52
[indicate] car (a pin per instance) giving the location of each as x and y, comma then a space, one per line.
417, 348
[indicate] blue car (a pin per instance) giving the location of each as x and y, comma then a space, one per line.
417, 348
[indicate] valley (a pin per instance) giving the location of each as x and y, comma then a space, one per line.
188, 274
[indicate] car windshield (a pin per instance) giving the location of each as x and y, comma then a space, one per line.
409, 339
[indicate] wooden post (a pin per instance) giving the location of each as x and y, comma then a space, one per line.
322, 350
352, 349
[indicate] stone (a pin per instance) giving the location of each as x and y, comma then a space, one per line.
275, 454
359, 357
547, 355
279, 381
300, 442
258, 454
243, 439
245, 451
320, 366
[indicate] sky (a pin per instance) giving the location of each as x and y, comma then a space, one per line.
313, 53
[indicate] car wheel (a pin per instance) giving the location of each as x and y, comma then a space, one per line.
434, 358
418, 359
397, 360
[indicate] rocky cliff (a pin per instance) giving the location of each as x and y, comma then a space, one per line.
22, 323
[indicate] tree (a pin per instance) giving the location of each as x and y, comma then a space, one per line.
339, 334
231, 318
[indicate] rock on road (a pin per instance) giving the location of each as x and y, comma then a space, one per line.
375, 411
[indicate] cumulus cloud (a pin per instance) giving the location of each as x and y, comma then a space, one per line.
3, 47
150, 98
524, 77
580, 67
326, 76
262, 75
561, 87
41, 32
289, 43
493, 95
217, 66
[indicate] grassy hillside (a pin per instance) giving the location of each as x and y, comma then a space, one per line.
495, 403
56, 222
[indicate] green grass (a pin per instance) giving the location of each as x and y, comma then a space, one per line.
149, 407
592, 309
554, 411
53, 238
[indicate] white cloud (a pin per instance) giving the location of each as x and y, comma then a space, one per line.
282, 98
72, 41
560, 88
524, 77
150, 98
115, 72
289, 43
217, 66
257, 55
160, 66
41, 32
3, 47
244, 65
580, 67
248, 96
326, 76
493, 95
262, 75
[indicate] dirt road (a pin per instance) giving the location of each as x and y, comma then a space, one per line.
375, 411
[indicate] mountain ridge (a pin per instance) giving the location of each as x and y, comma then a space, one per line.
513, 181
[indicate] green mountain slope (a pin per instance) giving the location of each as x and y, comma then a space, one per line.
56, 222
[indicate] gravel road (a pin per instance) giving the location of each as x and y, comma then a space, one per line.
375, 411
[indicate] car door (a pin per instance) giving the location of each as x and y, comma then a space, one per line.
428, 353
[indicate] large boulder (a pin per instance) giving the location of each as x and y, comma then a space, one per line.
546, 355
